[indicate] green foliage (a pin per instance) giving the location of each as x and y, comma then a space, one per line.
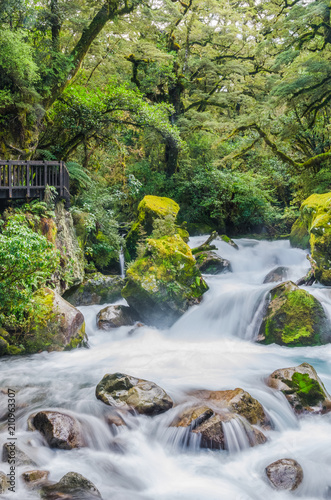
27, 261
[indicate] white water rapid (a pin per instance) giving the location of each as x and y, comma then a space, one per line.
210, 347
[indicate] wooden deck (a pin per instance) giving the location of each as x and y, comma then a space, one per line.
28, 179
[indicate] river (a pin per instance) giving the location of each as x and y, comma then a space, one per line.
211, 347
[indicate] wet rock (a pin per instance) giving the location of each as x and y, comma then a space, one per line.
60, 430
4, 485
236, 401
275, 275
116, 316
302, 388
208, 426
72, 486
211, 263
9, 451
285, 474
126, 392
35, 478
98, 289
294, 318
164, 282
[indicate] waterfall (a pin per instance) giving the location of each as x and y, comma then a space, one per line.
122, 263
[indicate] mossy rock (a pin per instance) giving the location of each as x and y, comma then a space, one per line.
211, 263
149, 209
294, 318
97, 289
313, 228
302, 387
164, 282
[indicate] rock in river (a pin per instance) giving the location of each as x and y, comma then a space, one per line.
116, 316
60, 430
275, 275
72, 486
213, 428
130, 393
211, 263
302, 388
285, 474
294, 318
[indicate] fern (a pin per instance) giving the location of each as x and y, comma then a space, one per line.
78, 174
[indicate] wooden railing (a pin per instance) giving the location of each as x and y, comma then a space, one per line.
28, 179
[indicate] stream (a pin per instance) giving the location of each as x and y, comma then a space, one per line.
210, 347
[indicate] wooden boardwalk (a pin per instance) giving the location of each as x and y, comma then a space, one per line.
28, 179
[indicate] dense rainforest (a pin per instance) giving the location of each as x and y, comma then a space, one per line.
221, 106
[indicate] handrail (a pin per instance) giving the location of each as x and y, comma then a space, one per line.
28, 179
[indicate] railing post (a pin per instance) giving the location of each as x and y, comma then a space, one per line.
61, 178
28, 179
10, 180
45, 174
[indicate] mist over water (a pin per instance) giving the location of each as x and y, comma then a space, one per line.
210, 347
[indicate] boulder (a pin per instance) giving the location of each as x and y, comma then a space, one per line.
4, 485
72, 486
236, 401
313, 229
302, 388
285, 474
60, 430
97, 289
35, 478
149, 209
130, 393
294, 318
62, 326
5, 347
116, 316
208, 425
275, 275
164, 282
211, 263
9, 451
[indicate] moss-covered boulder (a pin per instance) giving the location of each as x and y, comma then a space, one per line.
302, 387
56, 326
130, 393
211, 263
208, 426
149, 209
72, 486
163, 283
313, 228
294, 318
97, 289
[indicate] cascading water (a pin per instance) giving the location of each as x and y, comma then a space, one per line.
210, 347
122, 263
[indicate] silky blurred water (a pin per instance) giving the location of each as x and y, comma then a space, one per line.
211, 347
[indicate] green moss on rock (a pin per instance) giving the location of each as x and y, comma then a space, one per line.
313, 228
294, 318
164, 282
149, 209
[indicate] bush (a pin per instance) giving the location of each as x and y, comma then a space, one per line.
27, 261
